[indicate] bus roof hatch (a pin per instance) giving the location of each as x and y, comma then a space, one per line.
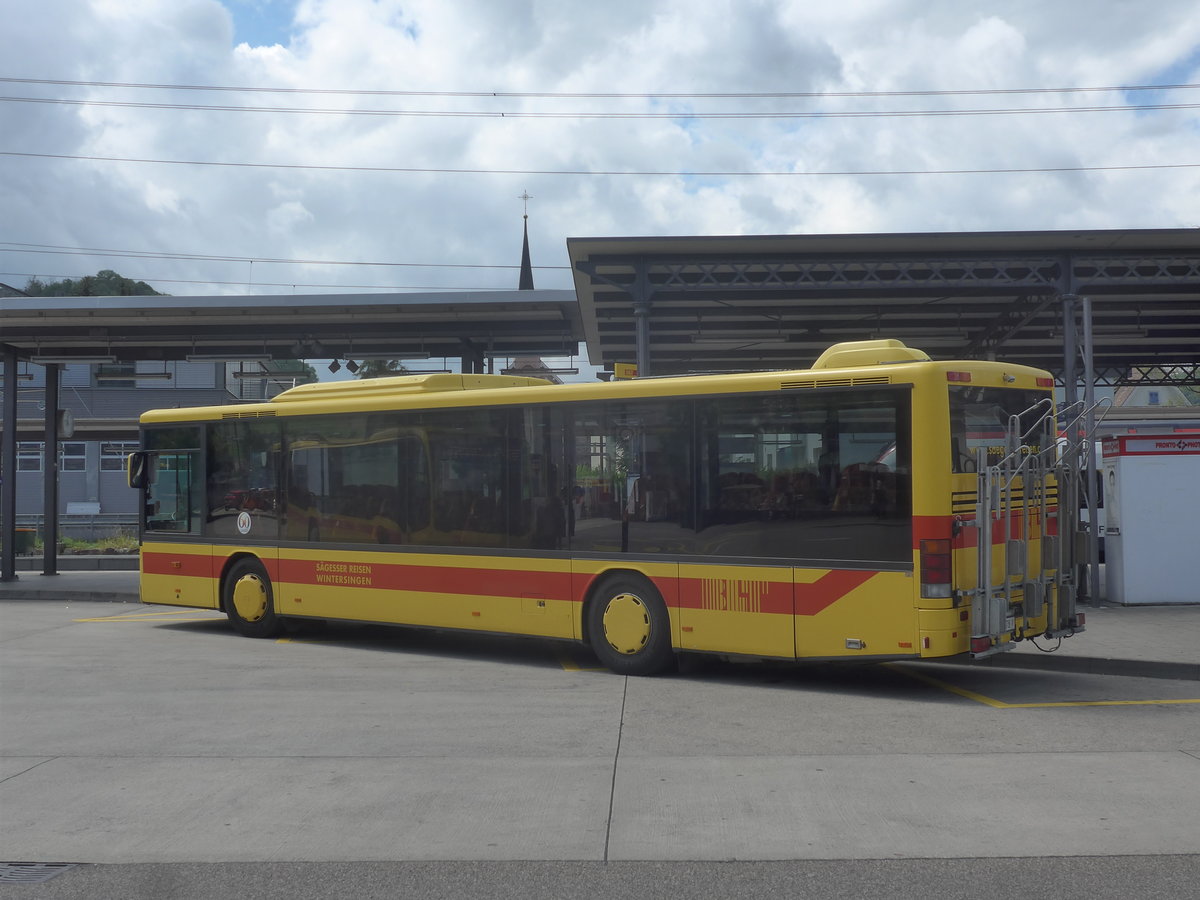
404, 384
853, 354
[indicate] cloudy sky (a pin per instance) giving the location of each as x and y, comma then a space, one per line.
386, 143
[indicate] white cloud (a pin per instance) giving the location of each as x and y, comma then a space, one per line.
629, 46
288, 218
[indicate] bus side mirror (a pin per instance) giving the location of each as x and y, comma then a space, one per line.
138, 471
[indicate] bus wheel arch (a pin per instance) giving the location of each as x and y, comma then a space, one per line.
248, 598
627, 624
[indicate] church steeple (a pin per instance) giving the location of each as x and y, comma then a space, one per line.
526, 281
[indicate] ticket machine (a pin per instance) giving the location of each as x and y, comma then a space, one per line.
1152, 522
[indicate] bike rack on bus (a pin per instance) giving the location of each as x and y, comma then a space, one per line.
1048, 491
1081, 452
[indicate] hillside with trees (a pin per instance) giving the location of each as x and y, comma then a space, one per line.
105, 283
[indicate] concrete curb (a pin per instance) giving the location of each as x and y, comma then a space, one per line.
24, 590
90, 562
73, 597
75, 585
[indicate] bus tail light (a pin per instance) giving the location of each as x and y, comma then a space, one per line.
1045, 382
935, 568
981, 644
962, 377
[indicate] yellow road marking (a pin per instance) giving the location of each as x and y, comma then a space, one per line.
151, 616
569, 665
1000, 704
953, 689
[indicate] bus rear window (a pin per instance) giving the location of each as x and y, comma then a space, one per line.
980, 416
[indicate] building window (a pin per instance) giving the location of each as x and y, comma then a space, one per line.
29, 456
113, 454
72, 456
115, 374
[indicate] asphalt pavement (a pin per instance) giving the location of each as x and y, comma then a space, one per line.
168, 757
1137, 641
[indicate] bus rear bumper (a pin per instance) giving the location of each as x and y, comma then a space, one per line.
942, 632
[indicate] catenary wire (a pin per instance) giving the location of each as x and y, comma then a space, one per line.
691, 115
648, 95
603, 172
58, 250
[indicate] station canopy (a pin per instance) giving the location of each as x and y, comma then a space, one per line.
735, 303
470, 325
683, 304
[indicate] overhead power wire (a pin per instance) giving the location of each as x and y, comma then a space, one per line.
54, 249
583, 95
524, 114
605, 172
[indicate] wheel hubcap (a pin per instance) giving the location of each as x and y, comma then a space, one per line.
250, 598
626, 623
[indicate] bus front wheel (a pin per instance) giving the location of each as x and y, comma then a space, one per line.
629, 628
249, 601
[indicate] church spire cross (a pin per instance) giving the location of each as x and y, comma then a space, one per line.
525, 283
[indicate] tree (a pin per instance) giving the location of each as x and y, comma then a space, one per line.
380, 368
105, 283
298, 368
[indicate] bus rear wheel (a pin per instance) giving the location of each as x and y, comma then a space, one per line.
249, 600
629, 628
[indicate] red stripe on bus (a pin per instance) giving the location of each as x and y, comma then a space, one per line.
188, 564
736, 594
425, 579
930, 528
750, 595
1010, 525
828, 589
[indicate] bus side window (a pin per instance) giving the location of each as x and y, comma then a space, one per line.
469, 461
809, 476
242, 478
537, 456
413, 498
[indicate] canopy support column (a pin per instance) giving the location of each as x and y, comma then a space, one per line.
8, 465
641, 318
50, 475
1078, 347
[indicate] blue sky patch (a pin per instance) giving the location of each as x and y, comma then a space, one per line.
261, 23
1180, 71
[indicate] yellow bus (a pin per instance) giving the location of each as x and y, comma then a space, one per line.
835, 512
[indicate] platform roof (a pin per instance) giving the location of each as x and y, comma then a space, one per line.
737, 302
354, 326
713, 304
